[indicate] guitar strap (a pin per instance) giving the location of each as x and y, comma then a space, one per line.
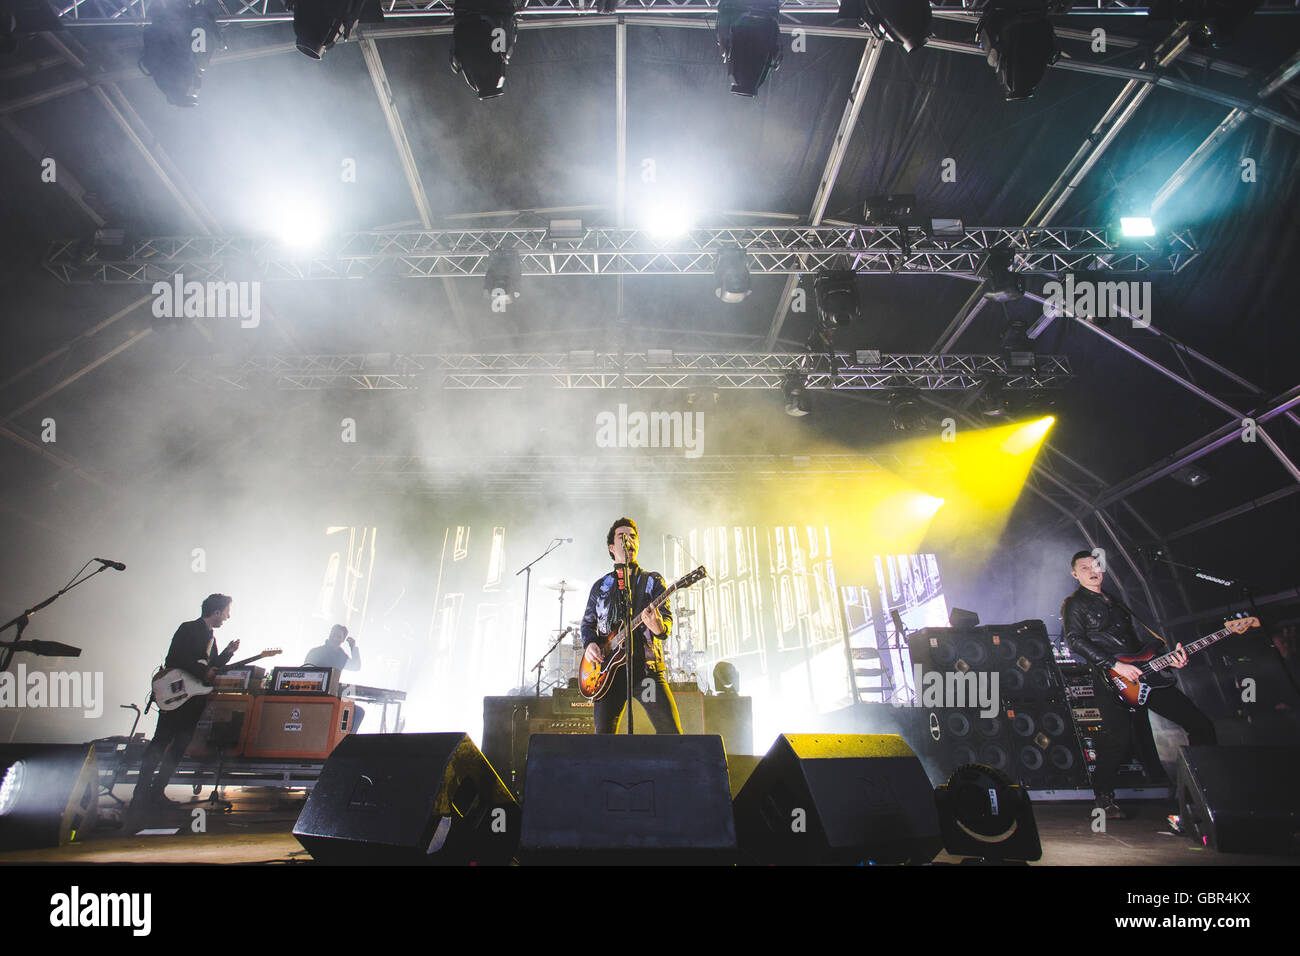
1130, 613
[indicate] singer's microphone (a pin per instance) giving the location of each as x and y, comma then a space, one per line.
115, 565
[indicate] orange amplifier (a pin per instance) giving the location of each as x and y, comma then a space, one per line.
240, 680
225, 724
306, 727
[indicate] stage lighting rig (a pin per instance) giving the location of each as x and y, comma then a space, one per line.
731, 276
1017, 346
482, 39
795, 390
178, 45
1020, 44
1000, 283
907, 413
836, 292
502, 278
21, 19
1210, 23
319, 24
750, 41
903, 21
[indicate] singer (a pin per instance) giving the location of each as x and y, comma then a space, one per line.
606, 610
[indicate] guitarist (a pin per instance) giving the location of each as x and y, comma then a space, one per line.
1098, 628
606, 610
193, 649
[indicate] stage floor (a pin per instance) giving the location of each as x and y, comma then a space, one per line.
259, 829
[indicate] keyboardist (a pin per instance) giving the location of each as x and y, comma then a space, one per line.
331, 654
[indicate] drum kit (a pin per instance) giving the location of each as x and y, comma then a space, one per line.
562, 665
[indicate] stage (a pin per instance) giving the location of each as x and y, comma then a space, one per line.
258, 827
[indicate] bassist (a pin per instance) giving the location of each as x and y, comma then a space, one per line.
194, 650
1099, 629
606, 610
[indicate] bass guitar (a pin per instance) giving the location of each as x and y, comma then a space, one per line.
595, 678
1155, 670
174, 687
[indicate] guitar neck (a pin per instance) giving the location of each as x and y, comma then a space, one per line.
1200, 644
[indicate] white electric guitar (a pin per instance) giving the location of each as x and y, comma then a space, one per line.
174, 687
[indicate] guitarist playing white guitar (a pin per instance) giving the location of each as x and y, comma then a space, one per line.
1099, 629
193, 650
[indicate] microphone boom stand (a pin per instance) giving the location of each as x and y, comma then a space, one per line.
527, 572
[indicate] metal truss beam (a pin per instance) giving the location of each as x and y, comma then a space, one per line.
85, 13
780, 250
1279, 78
653, 369
617, 474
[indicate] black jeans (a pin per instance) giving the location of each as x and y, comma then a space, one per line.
656, 697
1123, 731
170, 740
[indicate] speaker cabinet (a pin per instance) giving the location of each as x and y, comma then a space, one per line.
627, 800
386, 799
1242, 799
299, 728
838, 798
225, 723
1045, 747
951, 737
49, 794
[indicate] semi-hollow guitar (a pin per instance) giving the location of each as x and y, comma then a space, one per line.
595, 678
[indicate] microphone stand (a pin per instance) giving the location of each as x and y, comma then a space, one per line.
20, 623
527, 572
704, 602
631, 638
1247, 591
549, 651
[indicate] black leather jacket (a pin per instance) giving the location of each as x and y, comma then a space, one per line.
604, 612
1099, 628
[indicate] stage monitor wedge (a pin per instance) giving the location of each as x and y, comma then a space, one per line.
49, 794
838, 798
627, 800
409, 799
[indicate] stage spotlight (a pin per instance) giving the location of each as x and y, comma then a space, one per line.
983, 814
1020, 45
836, 292
319, 24
178, 46
23, 19
1137, 226
794, 388
994, 400
750, 41
726, 679
501, 280
297, 222
903, 21
1210, 23
668, 220
48, 794
1000, 283
1017, 346
731, 276
482, 40
1028, 437
1192, 475
906, 411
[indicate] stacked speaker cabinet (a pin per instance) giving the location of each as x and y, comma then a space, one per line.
1032, 737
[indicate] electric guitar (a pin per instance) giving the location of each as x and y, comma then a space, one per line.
1155, 672
595, 678
174, 687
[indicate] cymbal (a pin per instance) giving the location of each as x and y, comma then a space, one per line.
564, 587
